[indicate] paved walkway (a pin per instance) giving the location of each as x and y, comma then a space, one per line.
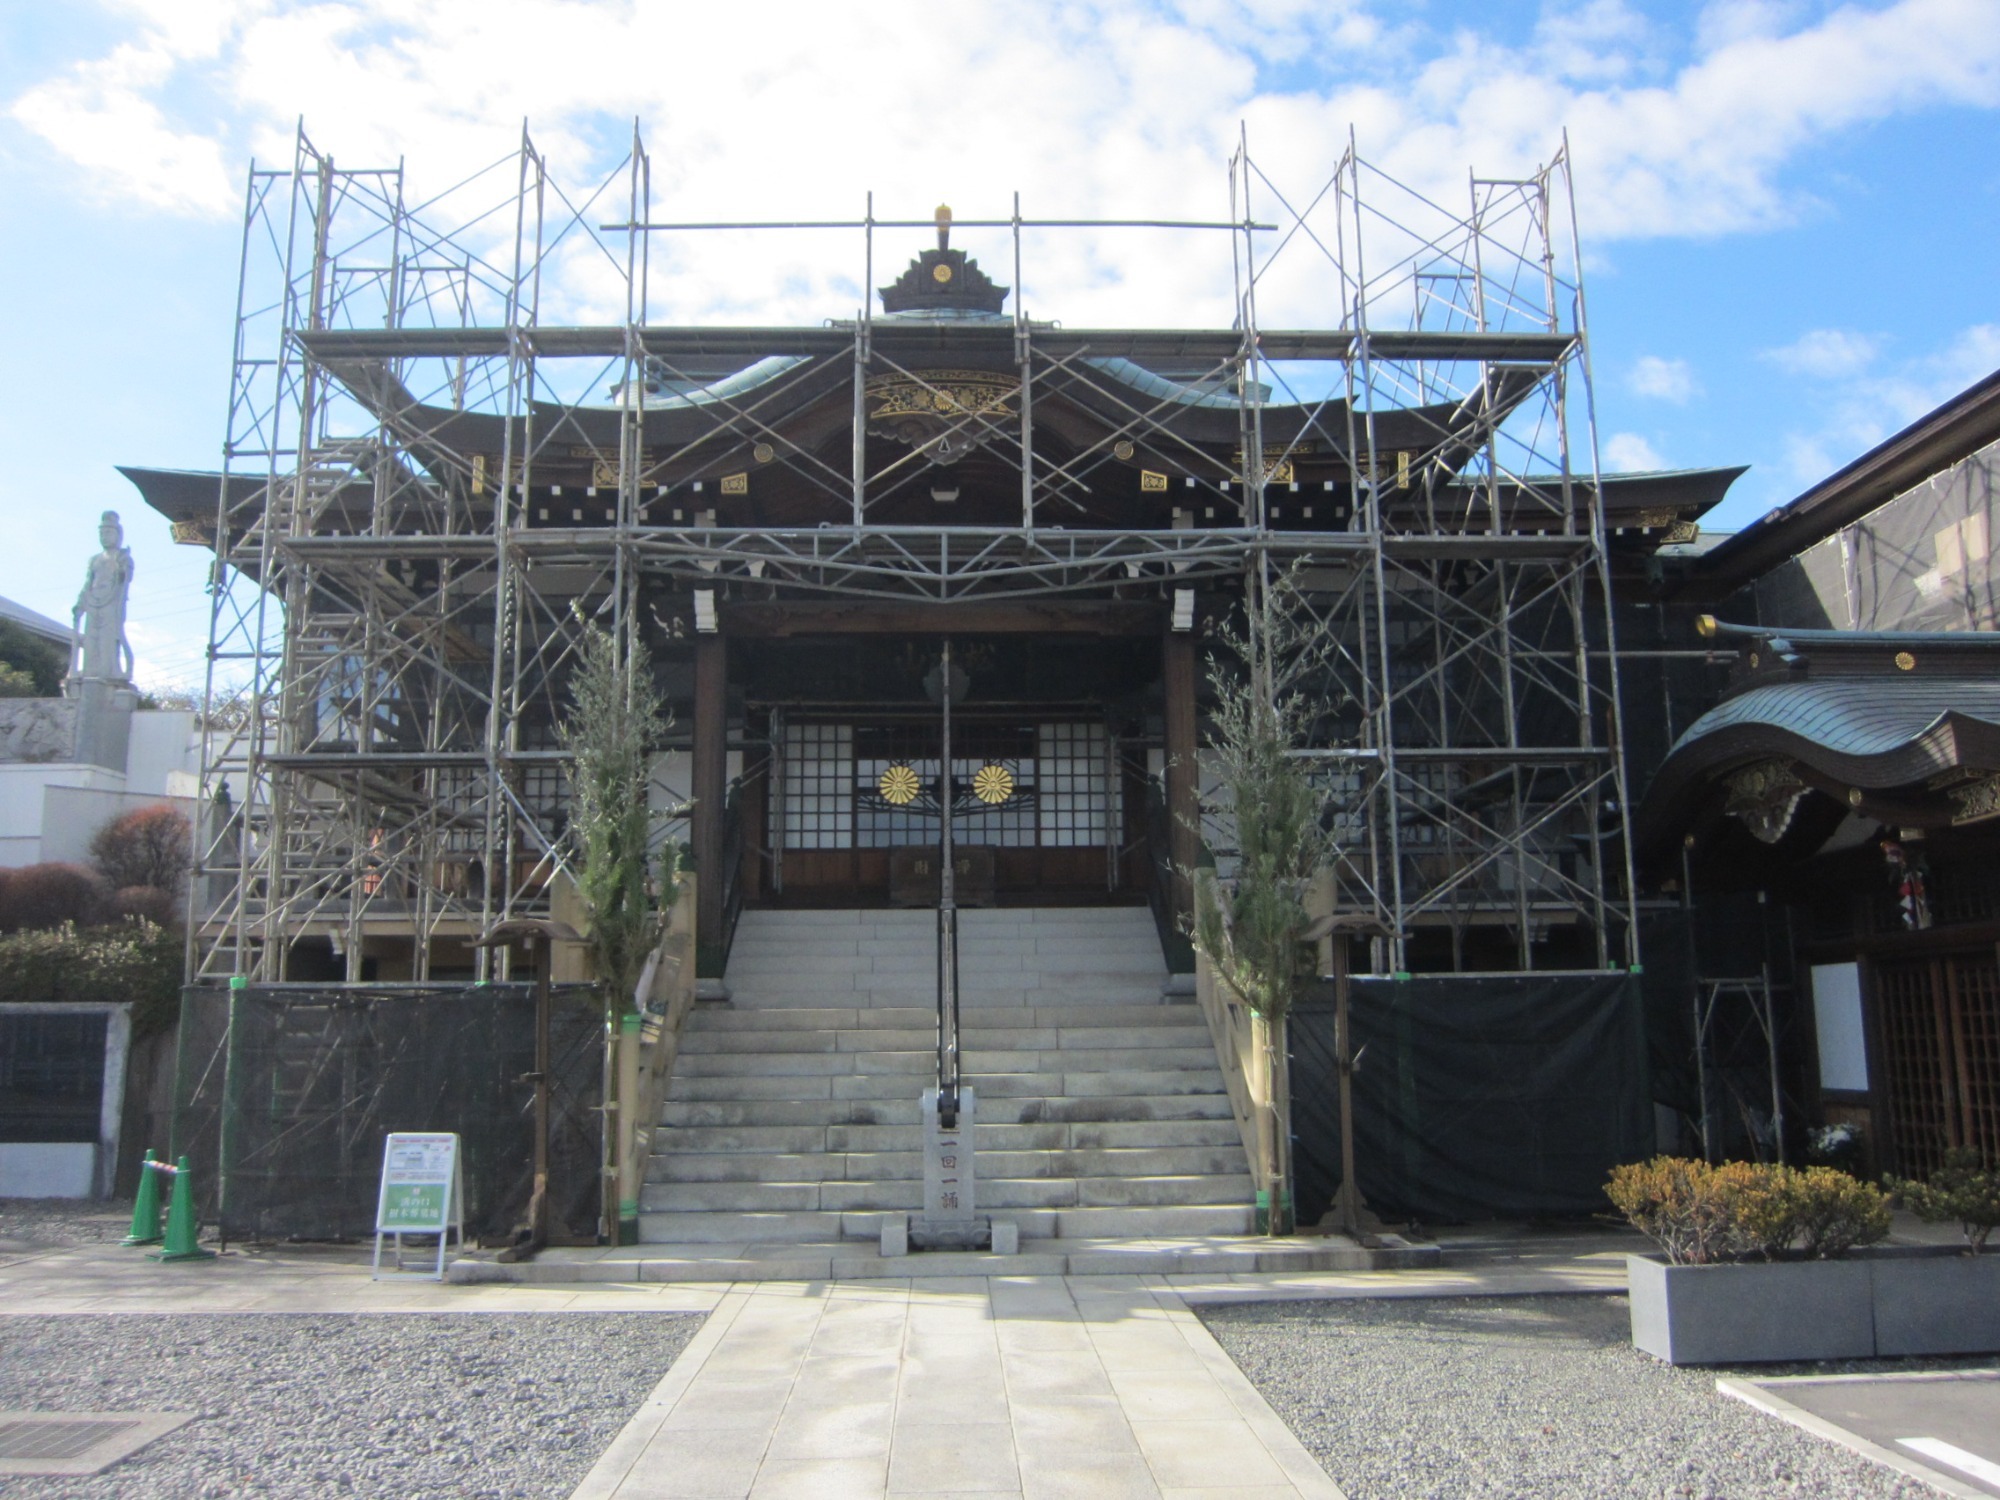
1098, 1387
1029, 1386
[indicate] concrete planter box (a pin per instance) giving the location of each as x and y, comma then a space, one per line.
1879, 1303
1936, 1302
1748, 1314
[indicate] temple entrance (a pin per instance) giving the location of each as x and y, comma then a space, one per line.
1047, 810
1063, 716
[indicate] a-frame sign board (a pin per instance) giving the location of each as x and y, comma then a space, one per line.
423, 1192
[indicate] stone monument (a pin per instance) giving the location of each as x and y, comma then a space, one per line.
100, 672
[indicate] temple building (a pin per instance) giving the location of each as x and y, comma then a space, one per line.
1826, 801
433, 482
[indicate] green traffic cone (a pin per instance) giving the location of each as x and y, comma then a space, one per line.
182, 1230
146, 1207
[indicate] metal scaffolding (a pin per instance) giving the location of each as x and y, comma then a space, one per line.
1476, 733
397, 592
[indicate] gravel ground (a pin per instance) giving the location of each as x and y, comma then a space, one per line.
1525, 1396
62, 1223
473, 1406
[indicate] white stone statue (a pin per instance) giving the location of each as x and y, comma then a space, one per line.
100, 649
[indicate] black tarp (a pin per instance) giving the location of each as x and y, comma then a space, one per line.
285, 1093
1476, 1097
1922, 561
51, 1075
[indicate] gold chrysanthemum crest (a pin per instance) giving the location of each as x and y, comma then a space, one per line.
899, 786
993, 784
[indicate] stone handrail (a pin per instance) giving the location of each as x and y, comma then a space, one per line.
1251, 1051
649, 1039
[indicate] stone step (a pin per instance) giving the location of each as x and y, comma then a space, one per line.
1026, 950
986, 960
1142, 946
810, 1165
1003, 1097
792, 1114
1011, 1010
773, 1064
972, 921
982, 1037
806, 1225
1148, 1013
1213, 1257
686, 1142
999, 1090
977, 1062
821, 988
994, 1194
1002, 1094
1097, 1107
765, 918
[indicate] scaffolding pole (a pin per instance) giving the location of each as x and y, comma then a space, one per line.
396, 602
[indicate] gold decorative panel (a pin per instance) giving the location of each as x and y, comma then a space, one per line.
949, 393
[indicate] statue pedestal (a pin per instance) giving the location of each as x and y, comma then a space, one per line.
103, 720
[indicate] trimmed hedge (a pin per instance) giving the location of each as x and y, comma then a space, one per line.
136, 961
1700, 1214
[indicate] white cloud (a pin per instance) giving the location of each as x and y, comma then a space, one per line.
1086, 106
1629, 453
1665, 379
103, 117
1826, 353
1726, 21
1863, 402
1931, 379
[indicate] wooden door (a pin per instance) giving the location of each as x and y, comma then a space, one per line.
1937, 1018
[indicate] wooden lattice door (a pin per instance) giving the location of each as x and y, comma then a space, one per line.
1939, 1023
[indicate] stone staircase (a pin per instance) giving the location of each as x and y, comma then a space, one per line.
791, 1116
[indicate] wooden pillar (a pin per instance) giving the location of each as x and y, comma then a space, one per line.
711, 789
1183, 810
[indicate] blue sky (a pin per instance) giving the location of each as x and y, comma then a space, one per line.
1789, 209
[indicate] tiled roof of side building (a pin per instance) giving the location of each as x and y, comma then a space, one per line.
37, 623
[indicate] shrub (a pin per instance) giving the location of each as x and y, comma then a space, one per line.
1833, 1212
148, 846
161, 908
1700, 1214
1761, 1209
1678, 1204
32, 663
132, 961
38, 897
1964, 1188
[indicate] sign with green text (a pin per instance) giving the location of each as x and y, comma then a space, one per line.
422, 1191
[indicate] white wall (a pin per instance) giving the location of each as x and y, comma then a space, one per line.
49, 809
72, 815
23, 789
48, 1169
163, 741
